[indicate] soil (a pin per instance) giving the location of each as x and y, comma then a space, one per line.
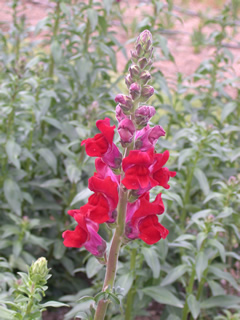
179, 43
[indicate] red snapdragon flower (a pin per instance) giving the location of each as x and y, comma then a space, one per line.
85, 234
102, 204
142, 221
143, 170
101, 145
160, 174
136, 168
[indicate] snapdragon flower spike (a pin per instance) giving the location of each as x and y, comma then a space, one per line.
85, 235
101, 145
142, 222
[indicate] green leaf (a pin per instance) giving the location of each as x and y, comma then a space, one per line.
13, 151
152, 260
228, 109
13, 195
54, 304
222, 301
219, 274
59, 249
74, 173
201, 264
194, 306
220, 247
125, 281
213, 195
83, 195
184, 155
174, 274
216, 288
53, 183
108, 5
114, 298
163, 296
93, 18
7, 314
93, 267
203, 182
56, 51
49, 157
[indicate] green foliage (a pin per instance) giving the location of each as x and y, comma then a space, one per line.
28, 291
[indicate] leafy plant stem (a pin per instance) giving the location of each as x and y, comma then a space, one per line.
30, 302
55, 32
189, 290
131, 293
88, 30
187, 192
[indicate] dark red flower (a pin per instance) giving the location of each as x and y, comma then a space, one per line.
151, 231
85, 234
136, 168
142, 221
99, 144
159, 174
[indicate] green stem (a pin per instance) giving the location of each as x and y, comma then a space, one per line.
130, 296
187, 192
189, 290
55, 32
116, 244
114, 252
30, 302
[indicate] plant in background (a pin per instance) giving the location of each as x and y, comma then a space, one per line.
122, 182
28, 291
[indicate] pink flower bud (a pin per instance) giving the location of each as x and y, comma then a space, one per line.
139, 50
145, 40
143, 115
125, 102
135, 90
142, 62
134, 56
147, 137
134, 71
144, 77
148, 54
126, 131
147, 92
119, 114
128, 80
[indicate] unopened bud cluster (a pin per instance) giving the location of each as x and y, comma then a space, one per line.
130, 116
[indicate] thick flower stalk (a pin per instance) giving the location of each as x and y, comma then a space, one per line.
122, 180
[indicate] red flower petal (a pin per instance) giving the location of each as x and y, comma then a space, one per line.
137, 157
96, 146
147, 208
76, 238
136, 177
97, 208
151, 231
106, 129
162, 176
106, 186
